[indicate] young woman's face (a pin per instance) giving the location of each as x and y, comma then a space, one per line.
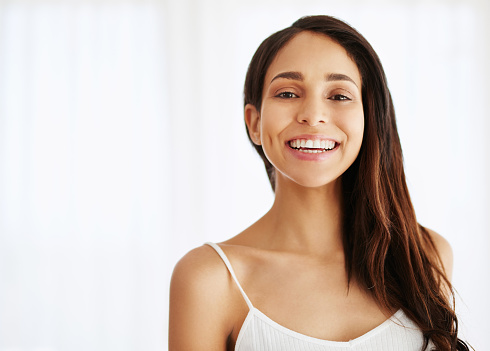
311, 121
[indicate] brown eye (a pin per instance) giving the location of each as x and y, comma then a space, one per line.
287, 95
339, 97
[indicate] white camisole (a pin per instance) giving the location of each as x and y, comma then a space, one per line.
260, 333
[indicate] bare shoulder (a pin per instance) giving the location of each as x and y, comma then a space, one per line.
198, 263
445, 251
199, 317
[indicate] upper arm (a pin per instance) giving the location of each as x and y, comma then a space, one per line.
198, 303
445, 252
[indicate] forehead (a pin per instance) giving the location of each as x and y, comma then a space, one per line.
314, 55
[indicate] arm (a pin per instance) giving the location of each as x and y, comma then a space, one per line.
199, 298
445, 252
446, 255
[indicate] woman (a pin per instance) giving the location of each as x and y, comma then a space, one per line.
339, 262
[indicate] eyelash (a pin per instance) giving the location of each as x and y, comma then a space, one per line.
339, 97
289, 95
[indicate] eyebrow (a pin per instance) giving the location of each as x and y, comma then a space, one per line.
299, 76
289, 75
339, 76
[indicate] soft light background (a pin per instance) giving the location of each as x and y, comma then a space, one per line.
122, 147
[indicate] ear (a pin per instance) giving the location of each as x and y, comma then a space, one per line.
252, 119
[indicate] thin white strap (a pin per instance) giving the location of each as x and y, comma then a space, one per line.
230, 269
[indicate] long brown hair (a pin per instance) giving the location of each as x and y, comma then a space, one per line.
386, 250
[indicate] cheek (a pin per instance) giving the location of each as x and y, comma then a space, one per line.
272, 123
358, 130
353, 127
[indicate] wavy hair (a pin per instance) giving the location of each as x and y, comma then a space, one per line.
386, 250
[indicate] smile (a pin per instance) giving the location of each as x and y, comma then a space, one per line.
312, 146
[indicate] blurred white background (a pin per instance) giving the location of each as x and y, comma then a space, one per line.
122, 147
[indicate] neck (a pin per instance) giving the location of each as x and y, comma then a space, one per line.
307, 220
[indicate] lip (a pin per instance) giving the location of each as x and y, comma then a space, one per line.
312, 156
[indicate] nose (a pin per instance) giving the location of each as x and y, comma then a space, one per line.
313, 111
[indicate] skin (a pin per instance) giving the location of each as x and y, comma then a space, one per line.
293, 256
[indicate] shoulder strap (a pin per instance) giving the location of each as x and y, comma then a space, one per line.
230, 269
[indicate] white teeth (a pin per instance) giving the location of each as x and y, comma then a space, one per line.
314, 145
312, 151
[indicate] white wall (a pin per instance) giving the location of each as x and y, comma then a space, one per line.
122, 146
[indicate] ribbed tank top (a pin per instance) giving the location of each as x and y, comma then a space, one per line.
260, 333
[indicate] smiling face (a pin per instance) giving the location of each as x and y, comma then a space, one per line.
311, 120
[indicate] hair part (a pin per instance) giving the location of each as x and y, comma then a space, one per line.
386, 250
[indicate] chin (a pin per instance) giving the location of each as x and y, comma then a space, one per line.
313, 182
